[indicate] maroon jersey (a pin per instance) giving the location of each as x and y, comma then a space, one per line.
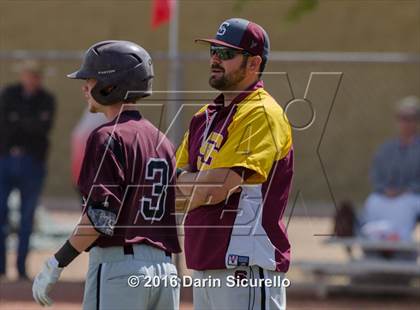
127, 182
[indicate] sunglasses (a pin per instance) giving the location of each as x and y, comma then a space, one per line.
225, 53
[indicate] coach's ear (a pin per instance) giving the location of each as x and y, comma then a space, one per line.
254, 63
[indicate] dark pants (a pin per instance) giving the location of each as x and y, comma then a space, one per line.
25, 174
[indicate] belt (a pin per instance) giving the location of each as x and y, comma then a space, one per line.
128, 250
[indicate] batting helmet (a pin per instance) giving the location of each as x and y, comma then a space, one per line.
123, 71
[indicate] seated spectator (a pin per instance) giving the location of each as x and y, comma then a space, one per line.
392, 210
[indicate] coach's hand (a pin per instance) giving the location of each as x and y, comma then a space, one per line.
45, 280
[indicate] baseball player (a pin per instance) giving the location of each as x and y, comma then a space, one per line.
127, 224
241, 146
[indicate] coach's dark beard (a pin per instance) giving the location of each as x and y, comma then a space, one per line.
228, 81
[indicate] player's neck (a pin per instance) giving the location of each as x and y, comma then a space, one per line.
112, 111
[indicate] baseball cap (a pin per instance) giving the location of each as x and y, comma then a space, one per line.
31, 65
409, 107
242, 34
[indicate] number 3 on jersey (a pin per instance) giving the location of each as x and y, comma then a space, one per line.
157, 168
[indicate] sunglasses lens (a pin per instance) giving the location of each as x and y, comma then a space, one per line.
222, 52
229, 54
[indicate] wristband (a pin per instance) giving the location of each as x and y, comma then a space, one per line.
66, 254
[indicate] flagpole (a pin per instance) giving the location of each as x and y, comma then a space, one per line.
174, 77
174, 104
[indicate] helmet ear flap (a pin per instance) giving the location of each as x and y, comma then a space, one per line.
107, 90
128, 88
106, 94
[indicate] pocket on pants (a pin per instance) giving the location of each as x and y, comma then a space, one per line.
124, 269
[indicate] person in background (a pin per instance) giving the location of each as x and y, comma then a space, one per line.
392, 210
87, 123
26, 116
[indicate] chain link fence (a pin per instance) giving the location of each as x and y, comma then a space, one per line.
346, 114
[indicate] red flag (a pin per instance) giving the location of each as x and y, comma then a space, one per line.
161, 12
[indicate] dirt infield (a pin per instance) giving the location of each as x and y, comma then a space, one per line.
68, 293
292, 305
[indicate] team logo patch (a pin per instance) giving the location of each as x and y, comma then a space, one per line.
233, 260
237, 260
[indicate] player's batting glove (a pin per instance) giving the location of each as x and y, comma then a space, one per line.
45, 280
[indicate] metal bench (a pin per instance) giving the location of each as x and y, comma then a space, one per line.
364, 274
